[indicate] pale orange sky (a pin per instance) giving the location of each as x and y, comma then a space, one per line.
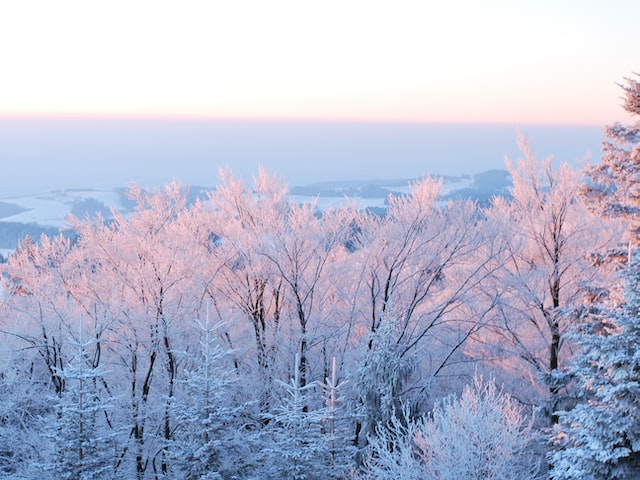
448, 61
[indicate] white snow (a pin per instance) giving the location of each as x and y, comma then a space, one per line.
51, 208
463, 182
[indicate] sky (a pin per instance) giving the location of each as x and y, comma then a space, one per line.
459, 61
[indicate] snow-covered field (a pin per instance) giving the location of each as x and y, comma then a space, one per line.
51, 208
459, 184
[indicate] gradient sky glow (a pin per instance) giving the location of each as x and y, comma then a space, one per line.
507, 61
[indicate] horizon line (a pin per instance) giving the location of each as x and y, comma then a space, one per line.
280, 119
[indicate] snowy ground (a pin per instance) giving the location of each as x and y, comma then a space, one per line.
459, 184
51, 208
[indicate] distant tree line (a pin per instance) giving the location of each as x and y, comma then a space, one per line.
13, 233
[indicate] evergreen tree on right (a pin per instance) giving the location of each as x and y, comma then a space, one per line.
613, 189
600, 437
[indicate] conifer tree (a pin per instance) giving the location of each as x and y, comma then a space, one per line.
600, 437
205, 443
384, 372
614, 189
336, 421
296, 446
84, 442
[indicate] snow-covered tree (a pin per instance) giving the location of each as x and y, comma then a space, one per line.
84, 442
614, 187
421, 259
336, 423
37, 307
274, 256
296, 443
241, 220
383, 376
142, 272
421, 267
206, 443
299, 251
547, 279
25, 412
392, 452
485, 434
600, 437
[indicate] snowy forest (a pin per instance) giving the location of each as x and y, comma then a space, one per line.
248, 337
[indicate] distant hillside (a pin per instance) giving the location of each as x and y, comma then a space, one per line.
10, 209
485, 186
12, 233
481, 187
